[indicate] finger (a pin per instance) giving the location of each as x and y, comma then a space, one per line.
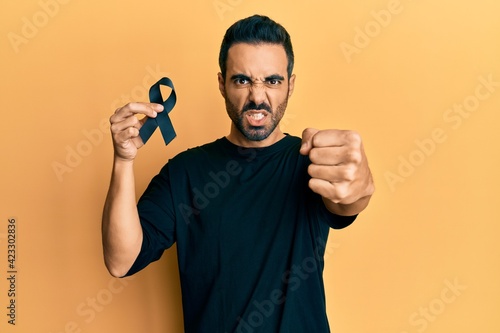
126, 135
328, 155
336, 138
336, 192
127, 122
148, 109
332, 174
307, 137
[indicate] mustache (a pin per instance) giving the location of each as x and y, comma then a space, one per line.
253, 106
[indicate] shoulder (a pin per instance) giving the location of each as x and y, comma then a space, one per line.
194, 159
198, 152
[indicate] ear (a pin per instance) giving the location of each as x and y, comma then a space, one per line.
291, 85
222, 87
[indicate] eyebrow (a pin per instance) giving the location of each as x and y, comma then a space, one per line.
275, 77
245, 77
240, 76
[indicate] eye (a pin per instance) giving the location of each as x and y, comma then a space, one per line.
273, 82
241, 81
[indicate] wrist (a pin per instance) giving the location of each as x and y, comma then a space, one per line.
120, 161
347, 209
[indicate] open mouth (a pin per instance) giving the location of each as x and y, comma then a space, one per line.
256, 118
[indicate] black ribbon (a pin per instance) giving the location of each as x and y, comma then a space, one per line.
162, 120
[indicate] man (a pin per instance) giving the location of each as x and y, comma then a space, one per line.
250, 212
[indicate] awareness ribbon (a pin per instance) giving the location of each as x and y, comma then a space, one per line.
162, 120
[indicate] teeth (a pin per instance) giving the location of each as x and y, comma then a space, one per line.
257, 116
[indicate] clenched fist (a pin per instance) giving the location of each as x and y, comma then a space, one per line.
339, 169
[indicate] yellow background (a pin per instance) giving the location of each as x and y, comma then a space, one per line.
67, 65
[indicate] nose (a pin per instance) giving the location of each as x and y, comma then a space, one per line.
257, 93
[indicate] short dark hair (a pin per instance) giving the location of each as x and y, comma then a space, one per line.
256, 29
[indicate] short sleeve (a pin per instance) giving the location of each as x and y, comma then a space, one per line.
338, 221
156, 213
334, 221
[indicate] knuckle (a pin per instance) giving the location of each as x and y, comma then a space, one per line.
132, 131
313, 155
306, 133
349, 174
341, 193
355, 156
343, 174
135, 121
316, 140
121, 108
353, 137
334, 196
130, 106
311, 170
312, 184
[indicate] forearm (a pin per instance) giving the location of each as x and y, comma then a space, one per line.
121, 228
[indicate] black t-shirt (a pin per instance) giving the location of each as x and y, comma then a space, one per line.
250, 237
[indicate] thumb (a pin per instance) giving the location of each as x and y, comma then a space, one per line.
307, 137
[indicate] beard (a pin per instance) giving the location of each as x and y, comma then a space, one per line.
255, 133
